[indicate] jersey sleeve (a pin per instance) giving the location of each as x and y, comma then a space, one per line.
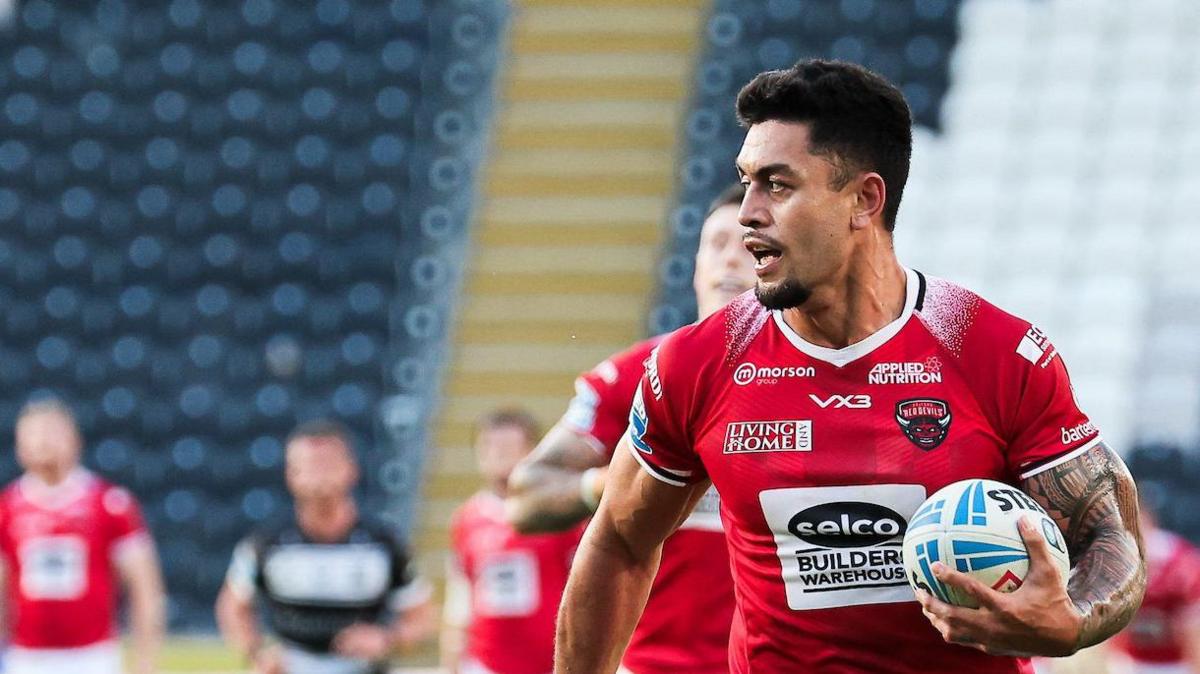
242, 577
658, 420
126, 526
1047, 427
599, 412
408, 588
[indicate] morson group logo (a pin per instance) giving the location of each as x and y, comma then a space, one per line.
748, 373
746, 437
925, 421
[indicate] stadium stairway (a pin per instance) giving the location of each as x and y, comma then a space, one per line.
570, 220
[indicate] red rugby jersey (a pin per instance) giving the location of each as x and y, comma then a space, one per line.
60, 544
821, 455
516, 582
685, 627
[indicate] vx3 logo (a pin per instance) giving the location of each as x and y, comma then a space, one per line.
853, 401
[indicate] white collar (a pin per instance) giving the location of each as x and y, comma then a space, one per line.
846, 355
57, 496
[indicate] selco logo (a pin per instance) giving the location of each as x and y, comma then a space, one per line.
847, 524
747, 373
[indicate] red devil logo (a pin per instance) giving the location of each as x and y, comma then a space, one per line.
925, 421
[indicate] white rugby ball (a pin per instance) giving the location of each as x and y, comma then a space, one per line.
971, 526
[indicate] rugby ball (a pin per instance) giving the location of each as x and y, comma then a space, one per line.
971, 526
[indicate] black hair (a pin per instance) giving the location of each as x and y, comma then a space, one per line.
857, 119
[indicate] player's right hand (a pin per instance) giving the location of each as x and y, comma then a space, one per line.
1039, 618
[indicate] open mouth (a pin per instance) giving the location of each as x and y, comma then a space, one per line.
765, 255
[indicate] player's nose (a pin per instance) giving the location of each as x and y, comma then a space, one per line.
753, 212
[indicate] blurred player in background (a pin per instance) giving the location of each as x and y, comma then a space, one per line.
826, 406
68, 540
338, 588
1164, 636
504, 587
686, 623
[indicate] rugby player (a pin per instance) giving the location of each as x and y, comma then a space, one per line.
826, 405
339, 589
70, 541
685, 626
504, 587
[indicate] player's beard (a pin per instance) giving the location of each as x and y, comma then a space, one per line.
787, 294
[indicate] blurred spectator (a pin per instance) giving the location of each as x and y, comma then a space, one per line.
504, 587
67, 537
338, 588
1164, 637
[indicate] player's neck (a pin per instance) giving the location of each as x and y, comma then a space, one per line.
326, 520
52, 476
868, 294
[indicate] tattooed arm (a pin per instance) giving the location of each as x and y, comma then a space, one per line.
546, 491
1094, 501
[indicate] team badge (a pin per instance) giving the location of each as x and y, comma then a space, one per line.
925, 421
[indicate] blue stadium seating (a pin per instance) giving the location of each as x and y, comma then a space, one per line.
220, 219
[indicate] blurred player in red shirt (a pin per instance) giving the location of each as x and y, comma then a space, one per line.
685, 626
503, 587
69, 539
828, 404
1164, 636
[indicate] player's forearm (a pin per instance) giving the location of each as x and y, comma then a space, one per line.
1094, 501
603, 601
545, 498
147, 613
236, 622
450, 647
1191, 640
411, 627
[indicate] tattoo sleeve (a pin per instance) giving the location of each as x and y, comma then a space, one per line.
1094, 500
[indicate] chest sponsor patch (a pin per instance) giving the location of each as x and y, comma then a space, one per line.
507, 584
841, 546
329, 575
748, 437
749, 373
928, 371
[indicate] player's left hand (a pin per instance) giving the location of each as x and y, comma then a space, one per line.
1039, 618
361, 640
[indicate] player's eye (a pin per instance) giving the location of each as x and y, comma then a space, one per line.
775, 186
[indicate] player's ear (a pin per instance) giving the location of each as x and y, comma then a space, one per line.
870, 194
